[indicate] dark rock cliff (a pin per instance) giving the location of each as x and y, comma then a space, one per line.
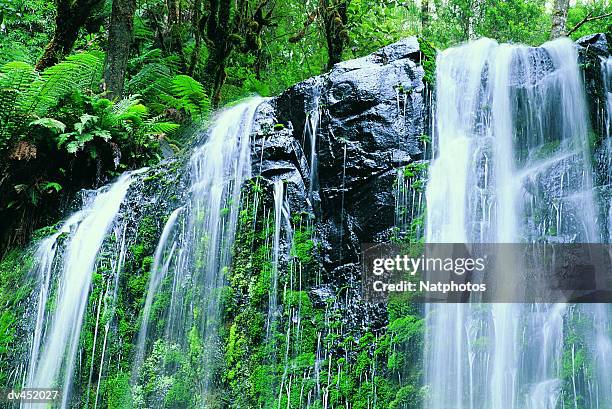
372, 112
369, 115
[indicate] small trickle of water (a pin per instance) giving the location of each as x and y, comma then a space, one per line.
281, 222
311, 130
161, 263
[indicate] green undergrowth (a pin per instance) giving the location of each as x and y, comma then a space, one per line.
16, 288
429, 61
307, 353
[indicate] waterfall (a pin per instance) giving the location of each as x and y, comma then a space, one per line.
199, 253
193, 252
606, 75
512, 165
54, 353
603, 315
161, 264
45, 256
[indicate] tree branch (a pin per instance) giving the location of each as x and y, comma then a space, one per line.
587, 19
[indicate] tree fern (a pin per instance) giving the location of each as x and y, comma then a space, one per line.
15, 80
189, 95
77, 73
152, 79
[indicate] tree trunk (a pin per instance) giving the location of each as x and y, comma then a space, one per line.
335, 19
199, 25
424, 14
119, 40
174, 32
218, 34
69, 20
559, 18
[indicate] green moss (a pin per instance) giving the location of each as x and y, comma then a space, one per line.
547, 149
428, 61
119, 392
303, 246
16, 287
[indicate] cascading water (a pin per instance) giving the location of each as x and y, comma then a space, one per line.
45, 256
606, 75
603, 317
199, 260
161, 264
54, 351
512, 165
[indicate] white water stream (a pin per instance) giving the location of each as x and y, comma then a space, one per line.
512, 165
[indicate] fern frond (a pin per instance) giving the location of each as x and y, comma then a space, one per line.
189, 94
158, 128
16, 79
51, 124
185, 86
78, 72
151, 56
135, 114
152, 79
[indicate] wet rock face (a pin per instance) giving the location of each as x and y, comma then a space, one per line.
593, 50
372, 111
597, 43
369, 114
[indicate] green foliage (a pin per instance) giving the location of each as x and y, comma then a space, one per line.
584, 9
59, 113
29, 107
15, 290
190, 96
27, 25
7, 331
375, 24
119, 393
429, 65
515, 21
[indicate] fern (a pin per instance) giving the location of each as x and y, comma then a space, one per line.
161, 128
26, 96
151, 79
78, 72
15, 80
50, 123
188, 94
186, 87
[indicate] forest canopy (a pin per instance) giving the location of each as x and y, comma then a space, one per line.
90, 88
